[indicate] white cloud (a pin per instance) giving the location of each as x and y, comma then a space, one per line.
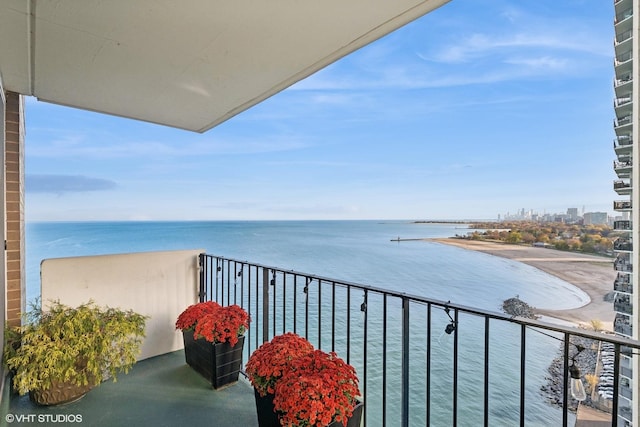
543, 62
479, 45
201, 146
60, 184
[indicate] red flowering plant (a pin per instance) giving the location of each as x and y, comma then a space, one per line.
213, 322
190, 316
315, 390
266, 364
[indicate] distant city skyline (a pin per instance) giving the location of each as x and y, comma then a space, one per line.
569, 211
477, 107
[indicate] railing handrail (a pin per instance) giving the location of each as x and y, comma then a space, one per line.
466, 309
284, 298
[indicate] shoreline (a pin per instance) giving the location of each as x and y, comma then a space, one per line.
592, 274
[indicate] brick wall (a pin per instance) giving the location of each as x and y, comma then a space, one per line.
14, 179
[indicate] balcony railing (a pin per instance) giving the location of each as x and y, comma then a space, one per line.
420, 361
623, 263
627, 372
622, 205
622, 165
626, 392
623, 15
626, 35
623, 304
622, 283
622, 244
622, 187
619, 102
622, 142
622, 225
621, 121
622, 325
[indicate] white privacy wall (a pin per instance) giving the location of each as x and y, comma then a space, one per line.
157, 284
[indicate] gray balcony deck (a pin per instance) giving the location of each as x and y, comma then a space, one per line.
161, 391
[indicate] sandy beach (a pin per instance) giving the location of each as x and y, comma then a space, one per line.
593, 274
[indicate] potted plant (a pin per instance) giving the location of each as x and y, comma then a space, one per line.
316, 390
59, 354
265, 367
213, 339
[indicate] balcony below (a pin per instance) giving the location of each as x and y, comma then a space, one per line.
623, 264
622, 325
622, 37
159, 391
622, 225
623, 145
622, 205
619, 102
623, 169
623, 16
623, 188
623, 121
622, 304
623, 284
623, 244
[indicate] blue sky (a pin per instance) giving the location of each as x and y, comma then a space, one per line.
482, 107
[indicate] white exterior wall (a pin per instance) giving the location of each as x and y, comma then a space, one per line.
157, 284
635, 212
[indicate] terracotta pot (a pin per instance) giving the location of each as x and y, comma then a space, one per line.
59, 393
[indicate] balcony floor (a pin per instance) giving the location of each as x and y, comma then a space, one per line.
160, 391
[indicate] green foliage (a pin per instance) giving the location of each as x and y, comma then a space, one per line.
596, 239
514, 237
81, 345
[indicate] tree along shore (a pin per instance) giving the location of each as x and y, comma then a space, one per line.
593, 239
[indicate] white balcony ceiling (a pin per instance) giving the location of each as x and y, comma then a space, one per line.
188, 64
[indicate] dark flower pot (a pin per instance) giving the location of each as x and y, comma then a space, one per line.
267, 416
355, 420
219, 363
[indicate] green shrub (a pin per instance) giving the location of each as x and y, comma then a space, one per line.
82, 345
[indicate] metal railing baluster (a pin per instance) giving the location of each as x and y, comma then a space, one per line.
215, 284
405, 362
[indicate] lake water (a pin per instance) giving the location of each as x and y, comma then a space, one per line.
356, 251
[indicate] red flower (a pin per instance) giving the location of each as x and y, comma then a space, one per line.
266, 364
315, 390
213, 322
190, 316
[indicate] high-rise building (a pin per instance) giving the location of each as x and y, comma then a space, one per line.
626, 127
594, 218
573, 214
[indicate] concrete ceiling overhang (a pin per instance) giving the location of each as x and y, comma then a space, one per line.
187, 64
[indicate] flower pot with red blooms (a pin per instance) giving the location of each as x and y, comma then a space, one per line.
213, 339
265, 367
317, 390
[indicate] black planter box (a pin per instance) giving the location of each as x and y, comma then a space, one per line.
219, 363
356, 418
267, 416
